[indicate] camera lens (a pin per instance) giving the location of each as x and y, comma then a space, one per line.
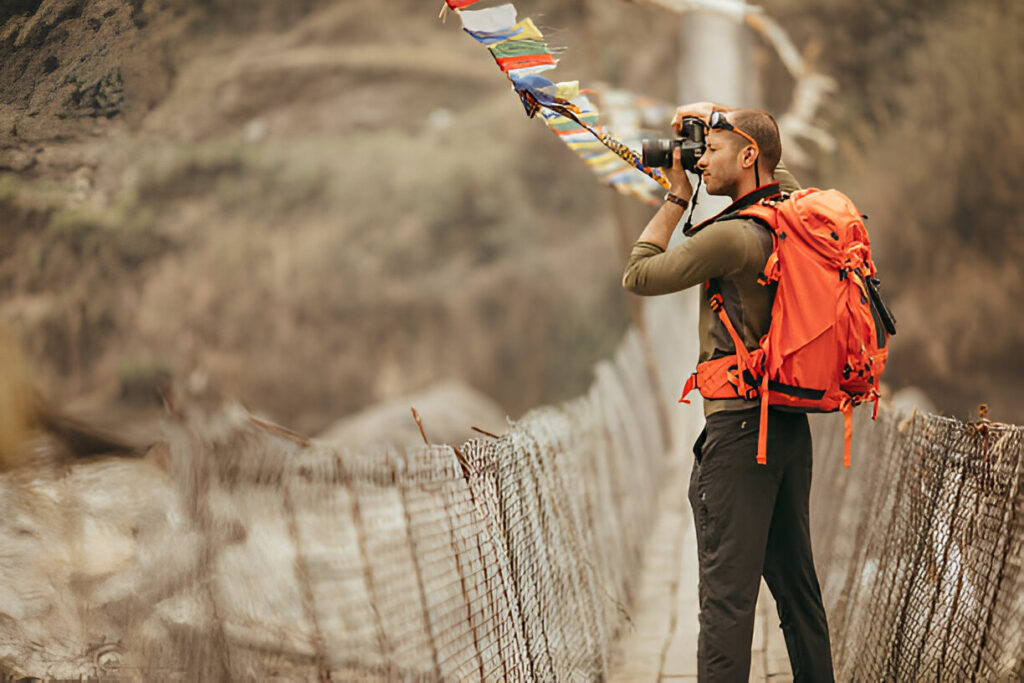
658, 153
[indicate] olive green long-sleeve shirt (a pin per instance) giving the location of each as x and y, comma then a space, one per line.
733, 251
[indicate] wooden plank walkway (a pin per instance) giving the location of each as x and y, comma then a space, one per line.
661, 645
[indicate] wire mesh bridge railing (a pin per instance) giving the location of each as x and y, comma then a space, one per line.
919, 549
236, 552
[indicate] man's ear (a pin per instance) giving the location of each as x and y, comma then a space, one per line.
749, 156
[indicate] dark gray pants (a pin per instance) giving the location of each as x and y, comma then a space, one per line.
751, 521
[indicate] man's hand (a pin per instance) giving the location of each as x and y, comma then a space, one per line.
700, 110
677, 178
661, 226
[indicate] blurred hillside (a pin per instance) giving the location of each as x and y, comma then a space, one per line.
932, 148
317, 205
310, 206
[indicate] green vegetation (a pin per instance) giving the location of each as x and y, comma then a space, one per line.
141, 380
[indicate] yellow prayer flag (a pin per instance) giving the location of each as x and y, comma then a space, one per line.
528, 31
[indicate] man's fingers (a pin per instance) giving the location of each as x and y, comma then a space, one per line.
677, 120
700, 110
677, 175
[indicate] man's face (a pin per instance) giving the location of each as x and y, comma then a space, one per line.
720, 165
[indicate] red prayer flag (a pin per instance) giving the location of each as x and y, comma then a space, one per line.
523, 61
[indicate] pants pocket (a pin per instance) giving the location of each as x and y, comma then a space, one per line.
698, 445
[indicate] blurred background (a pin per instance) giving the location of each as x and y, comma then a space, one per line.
315, 206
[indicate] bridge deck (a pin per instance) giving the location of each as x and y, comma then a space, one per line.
661, 645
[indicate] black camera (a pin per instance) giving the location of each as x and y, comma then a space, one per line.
658, 153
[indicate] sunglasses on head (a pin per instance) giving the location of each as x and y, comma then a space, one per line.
719, 122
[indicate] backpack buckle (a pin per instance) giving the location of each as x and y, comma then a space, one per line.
716, 302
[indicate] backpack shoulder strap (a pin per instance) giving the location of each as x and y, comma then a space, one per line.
766, 214
713, 291
771, 190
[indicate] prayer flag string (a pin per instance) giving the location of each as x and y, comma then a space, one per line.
519, 49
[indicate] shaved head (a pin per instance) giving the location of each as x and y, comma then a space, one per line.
761, 126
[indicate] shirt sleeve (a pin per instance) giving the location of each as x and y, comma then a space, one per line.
719, 250
787, 181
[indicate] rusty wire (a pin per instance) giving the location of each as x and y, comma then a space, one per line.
261, 555
918, 547
509, 558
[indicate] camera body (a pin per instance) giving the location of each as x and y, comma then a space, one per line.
658, 153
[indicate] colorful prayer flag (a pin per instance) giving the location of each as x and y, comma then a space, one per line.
520, 51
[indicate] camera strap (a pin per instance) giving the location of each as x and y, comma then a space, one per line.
693, 205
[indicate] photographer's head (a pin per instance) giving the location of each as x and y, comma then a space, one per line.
743, 149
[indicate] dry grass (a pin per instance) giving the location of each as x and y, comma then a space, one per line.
16, 414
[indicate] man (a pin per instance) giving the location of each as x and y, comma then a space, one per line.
751, 520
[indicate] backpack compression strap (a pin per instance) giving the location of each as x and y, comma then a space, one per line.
846, 406
762, 428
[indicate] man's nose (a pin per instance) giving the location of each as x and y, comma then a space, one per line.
702, 163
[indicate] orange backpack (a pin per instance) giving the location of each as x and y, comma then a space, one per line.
826, 346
